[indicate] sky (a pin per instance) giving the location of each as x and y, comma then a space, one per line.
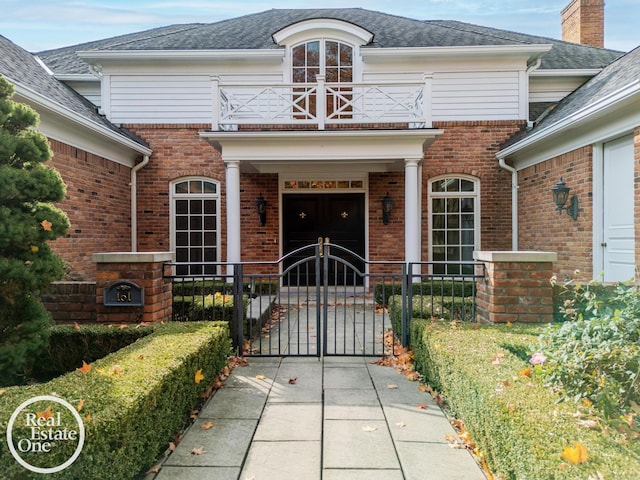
38, 25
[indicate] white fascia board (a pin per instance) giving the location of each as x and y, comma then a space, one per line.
93, 56
582, 117
372, 148
307, 27
532, 52
77, 77
578, 72
38, 101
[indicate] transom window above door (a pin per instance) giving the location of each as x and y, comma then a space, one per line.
322, 57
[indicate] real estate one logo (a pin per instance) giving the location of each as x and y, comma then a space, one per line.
34, 435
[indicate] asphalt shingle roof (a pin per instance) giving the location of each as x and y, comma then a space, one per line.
390, 31
612, 78
23, 68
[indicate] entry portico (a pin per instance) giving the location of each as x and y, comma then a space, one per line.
353, 152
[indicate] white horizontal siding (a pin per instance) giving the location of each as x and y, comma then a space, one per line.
160, 99
89, 90
476, 96
552, 89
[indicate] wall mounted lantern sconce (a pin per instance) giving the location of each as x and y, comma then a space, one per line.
387, 207
560, 196
261, 208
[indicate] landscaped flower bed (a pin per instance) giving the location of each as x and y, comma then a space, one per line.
132, 401
515, 420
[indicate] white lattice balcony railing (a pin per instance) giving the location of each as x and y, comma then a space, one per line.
321, 103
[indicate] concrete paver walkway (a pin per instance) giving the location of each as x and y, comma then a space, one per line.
302, 418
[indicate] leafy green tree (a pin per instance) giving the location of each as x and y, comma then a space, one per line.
28, 219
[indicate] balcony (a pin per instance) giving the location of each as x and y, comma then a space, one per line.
318, 105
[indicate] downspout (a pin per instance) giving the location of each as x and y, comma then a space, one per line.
134, 202
514, 174
514, 202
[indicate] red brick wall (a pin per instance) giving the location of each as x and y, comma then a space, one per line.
178, 151
98, 204
465, 148
515, 292
583, 22
542, 228
71, 302
469, 148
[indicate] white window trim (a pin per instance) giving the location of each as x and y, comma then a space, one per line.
477, 212
172, 209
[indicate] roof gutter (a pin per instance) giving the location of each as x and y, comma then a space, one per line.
582, 115
77, 118
134, 201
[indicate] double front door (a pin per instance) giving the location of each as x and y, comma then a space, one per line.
338, 217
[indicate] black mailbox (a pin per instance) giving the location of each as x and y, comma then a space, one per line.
123, 294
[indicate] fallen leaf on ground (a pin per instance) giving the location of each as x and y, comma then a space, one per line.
85, 368
172, 446
80, 405
206, 426
198, 451
76, 326
260, 377
292, 381
199, 376
87, 418
46, 225
576, 454
401, 424
392, 387
422, 406
46, 413
154, 469
369, 429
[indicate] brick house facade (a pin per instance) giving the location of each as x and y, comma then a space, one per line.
447, 157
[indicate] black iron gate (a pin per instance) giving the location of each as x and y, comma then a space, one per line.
327, 300
320, 299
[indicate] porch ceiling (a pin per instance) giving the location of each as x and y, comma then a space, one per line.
352, 150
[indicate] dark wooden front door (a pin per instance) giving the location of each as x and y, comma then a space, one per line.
339, 217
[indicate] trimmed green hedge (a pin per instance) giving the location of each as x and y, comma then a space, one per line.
137, 399
515, 421
427, 307
69, 346
207, 307
437, 288
210, 287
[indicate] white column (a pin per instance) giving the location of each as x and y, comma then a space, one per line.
233, 212
411, 210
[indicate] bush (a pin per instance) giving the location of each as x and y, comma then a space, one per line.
515, 420
205, 307
430, 287
137, 399
427, 307
192, 287
595, 354
69, 346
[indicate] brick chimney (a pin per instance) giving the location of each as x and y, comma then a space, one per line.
583, 22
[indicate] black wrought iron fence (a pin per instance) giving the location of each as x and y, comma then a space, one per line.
318, 294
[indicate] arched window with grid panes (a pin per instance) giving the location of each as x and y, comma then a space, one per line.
454, 233
195, 216
334, 60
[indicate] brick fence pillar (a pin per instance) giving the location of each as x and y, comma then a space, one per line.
143, 269
516, 287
